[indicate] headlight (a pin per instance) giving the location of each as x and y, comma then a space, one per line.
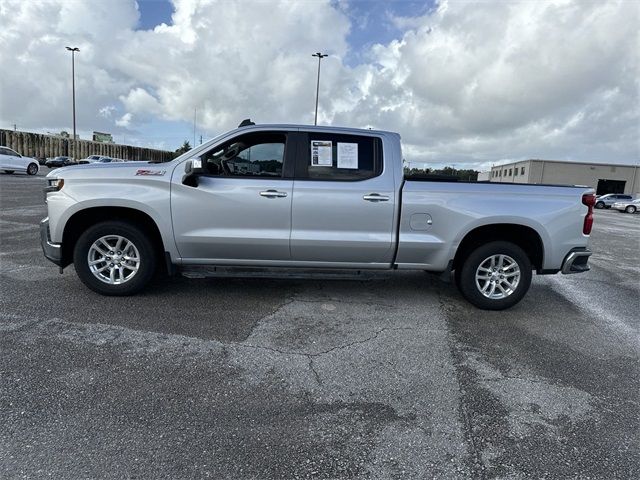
54, 184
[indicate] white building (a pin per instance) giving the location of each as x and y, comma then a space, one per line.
604, 177
484, 176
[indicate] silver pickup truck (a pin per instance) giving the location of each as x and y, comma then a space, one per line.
277, 199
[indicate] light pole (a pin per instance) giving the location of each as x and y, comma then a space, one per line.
73, 51
320, 57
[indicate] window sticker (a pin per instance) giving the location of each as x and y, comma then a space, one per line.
321, 155
348, 155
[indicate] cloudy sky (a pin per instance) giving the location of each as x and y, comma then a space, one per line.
463, 83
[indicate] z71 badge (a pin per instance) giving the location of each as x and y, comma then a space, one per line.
151, 172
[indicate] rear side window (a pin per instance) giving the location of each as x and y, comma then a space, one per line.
339, 157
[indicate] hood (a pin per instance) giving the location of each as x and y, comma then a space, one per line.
111, 170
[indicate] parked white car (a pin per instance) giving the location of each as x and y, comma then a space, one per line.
92, 159
629, 206
11, 161
109, 160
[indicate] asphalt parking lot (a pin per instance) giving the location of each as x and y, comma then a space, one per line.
395, 377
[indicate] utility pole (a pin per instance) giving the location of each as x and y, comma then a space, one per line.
320, 57
73, 51
195, 112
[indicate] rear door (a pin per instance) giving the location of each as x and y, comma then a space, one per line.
343, 201
240, 212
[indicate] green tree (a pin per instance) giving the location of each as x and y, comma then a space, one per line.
464, 175
186, 146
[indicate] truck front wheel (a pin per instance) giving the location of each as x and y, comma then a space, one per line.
114, 258
495, 276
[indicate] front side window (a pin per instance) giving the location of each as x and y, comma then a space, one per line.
250, 155
328, 156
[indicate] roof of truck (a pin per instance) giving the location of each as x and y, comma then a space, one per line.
319, 128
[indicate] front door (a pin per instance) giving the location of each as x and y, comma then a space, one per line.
239, 213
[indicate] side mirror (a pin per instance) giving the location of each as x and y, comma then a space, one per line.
192, 169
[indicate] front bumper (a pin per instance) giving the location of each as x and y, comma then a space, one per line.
52, 251
577, 261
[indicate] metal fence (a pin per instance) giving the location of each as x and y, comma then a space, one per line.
40, 146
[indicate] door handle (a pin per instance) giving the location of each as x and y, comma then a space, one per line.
376, 197
273, 194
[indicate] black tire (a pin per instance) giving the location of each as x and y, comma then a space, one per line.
630, 209
135, 235
9, 171
466, 277
32, 169
599, 204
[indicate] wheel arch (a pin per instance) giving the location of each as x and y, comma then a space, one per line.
524, 236
85, 218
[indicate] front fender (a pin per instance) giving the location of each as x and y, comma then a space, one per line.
160, 218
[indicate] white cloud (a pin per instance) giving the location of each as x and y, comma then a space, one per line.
465, 83
138, 100
124, 120
534, 79
106, 111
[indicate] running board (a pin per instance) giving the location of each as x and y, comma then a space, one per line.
279, 272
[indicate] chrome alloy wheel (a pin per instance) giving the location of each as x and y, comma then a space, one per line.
113, 259
497, 276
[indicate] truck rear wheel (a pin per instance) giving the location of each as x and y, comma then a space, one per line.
495, 276
114, 258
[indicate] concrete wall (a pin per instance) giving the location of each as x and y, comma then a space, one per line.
44, 146
556, 172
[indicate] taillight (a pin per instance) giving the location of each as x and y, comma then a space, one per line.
588, 199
